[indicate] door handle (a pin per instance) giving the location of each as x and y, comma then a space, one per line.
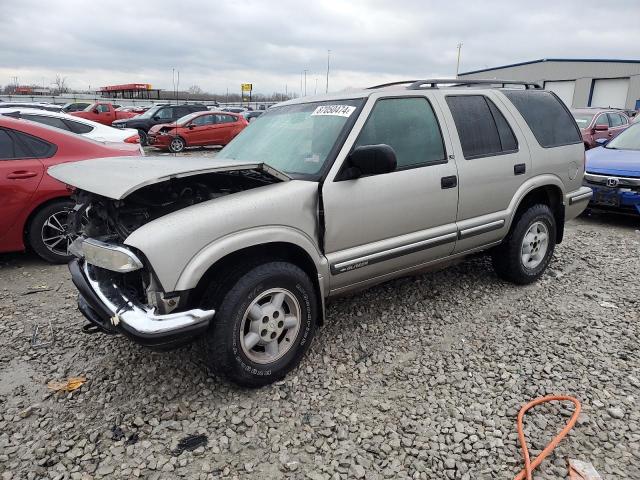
519, 169
21, 174
449, 182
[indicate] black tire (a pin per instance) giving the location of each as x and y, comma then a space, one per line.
143, 137
37, 231
224, 355
176, 145
507, 257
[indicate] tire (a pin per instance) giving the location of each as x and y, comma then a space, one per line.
523, 262
143, 137
49, 222
176, 145
226, 342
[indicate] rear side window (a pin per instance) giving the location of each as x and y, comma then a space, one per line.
51, 121
7, 146
77, 127
409, 126
548, 119
482, 128
35, 147
615, 120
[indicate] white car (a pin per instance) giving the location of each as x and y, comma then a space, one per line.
87, 128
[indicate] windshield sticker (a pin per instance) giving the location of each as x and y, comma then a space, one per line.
336, 110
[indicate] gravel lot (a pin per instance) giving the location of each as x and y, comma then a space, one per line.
418, 378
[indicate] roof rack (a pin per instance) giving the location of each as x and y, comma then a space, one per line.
455, 82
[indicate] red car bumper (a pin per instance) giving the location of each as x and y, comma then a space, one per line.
159, 140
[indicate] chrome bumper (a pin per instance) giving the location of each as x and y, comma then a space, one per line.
111, 309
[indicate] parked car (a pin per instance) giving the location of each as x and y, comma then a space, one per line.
596, 123
75, 106
320, 198
197, 129
35, 206
156, 115
93, 130
250, 116
51, 107
613, 172
234, 109
103, 112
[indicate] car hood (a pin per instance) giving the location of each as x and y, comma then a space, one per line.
608, 161
118, 177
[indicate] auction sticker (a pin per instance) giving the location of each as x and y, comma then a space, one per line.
336, 110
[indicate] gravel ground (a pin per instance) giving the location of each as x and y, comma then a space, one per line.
417, 378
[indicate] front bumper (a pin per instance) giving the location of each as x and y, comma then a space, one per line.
624, 195
110, 308
159, 140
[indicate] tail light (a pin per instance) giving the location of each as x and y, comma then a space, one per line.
132, 139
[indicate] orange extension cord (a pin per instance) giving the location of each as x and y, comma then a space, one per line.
530, 466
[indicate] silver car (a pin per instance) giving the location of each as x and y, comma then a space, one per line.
324, 195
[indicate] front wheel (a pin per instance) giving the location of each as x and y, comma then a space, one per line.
263, 325
144, 140
176, 145
525, 253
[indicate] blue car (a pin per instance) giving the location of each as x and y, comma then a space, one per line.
613, 172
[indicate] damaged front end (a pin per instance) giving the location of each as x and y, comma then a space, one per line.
118, 290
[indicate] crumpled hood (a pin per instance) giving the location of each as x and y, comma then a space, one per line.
118, 177
608, 161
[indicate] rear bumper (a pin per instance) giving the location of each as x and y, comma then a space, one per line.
575, 202
107, 307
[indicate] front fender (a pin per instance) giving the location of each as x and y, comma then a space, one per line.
220, 248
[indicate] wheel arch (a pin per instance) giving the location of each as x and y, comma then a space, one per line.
34, 212
549, 194
257, 253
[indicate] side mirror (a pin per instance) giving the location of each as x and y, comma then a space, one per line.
95, 110
156, 118
602, 141
370, 160
191, 125
601, 128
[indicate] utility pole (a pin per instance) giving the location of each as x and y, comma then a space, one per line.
458, 63
328, 56
305, 82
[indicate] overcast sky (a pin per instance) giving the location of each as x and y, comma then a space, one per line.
219, 44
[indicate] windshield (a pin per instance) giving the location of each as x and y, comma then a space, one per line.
627, 140
583, 119
294, 139
149, 113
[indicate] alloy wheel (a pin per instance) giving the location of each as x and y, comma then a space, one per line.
534, 245
270, 325
55, 232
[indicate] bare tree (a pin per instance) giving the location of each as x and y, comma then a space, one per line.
61, 84
195, 90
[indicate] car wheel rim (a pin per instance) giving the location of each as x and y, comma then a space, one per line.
55, 233
176, 145
270, 326
535, 245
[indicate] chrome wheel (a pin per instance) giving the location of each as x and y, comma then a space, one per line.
535, 245
177, 145
270, 326
55, 233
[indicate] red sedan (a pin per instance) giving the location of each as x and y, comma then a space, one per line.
34, 206
197, 129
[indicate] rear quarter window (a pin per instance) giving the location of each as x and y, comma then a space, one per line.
546, 116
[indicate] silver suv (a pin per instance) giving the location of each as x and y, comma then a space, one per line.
320, 196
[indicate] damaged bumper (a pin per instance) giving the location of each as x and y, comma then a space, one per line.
113, 311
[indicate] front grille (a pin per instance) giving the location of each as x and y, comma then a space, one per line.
597, 179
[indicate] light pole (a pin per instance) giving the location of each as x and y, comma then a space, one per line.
328, 56
305, 82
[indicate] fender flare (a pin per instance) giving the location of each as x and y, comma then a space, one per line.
527, 187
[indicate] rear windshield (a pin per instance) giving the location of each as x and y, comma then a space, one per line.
548, 119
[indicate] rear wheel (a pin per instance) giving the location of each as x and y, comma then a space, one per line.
176, 145
48, 233
264, 323
526, 252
